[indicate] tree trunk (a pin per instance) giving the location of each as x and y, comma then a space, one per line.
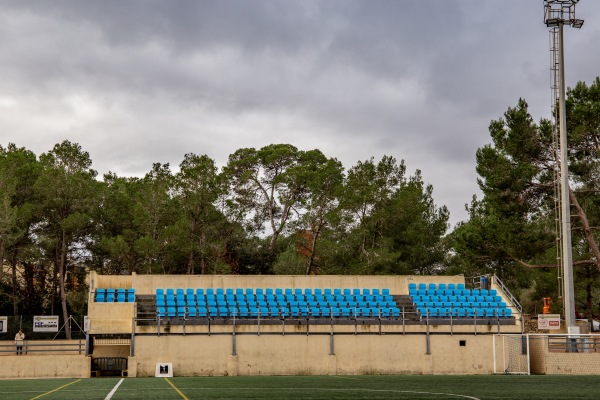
589, 235
313, 250
61, 283
15, 287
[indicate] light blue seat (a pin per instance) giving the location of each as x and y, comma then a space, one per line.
181, 311
121, 298
269, 291
243, 312
249, 291
160, 311
192, 312
171, 311
347, 292
220, 291
160, 292
337, 292
210, 291
288, 292
441, 286
239, 291
180, 291
507, 312
202, 312
264, 311
223, 311
213, 312
278, 291
229, 291
366, 292
199, 293
253, 311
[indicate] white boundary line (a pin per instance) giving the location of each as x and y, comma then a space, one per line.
112, 392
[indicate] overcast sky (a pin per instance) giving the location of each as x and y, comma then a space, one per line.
138, 82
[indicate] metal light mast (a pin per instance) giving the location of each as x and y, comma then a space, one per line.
557, 14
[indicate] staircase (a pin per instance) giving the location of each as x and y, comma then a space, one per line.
146, 309
404, 302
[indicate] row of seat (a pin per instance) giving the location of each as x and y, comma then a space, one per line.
274, 291
470, 312
278, 312
111, 295
450, 289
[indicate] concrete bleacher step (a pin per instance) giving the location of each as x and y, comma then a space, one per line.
404, 302
146, 309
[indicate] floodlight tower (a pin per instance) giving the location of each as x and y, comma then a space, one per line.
557, 14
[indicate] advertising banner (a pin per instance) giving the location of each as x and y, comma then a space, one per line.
45, 323
548, 321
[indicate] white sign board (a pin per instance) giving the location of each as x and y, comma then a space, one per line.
3, 324
164, 370
86, 324
45, 323
548, 321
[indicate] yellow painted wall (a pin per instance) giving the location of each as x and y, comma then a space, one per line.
195, 355
47, 366
147, 284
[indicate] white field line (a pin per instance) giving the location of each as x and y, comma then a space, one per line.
112, 392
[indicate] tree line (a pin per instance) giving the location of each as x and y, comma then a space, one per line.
273, 210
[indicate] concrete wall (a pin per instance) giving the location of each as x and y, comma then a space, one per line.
47, 366
196, 355
147, 284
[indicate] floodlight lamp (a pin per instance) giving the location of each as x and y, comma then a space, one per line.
577, 23
552, 22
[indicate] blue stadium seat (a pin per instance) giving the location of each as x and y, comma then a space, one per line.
210, 291
315, 311
192, 312
181, 311
288, 292
121, 297
160, 292
337, 292
249, 291
110, 295
239, 291
189, 292
327, 292
243, 312
347, 292
233, 311
366, 292
180, 291
269, 291
278, 291
223, 311
213, 311
160, 311
253, 311
507, 312
264, 312
202, 312
171, 311
220, 291
441, 286
199, 293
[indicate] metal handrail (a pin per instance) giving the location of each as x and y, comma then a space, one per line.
507, 293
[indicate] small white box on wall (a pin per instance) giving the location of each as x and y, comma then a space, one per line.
164, 370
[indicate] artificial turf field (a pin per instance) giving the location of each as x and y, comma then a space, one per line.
309, 387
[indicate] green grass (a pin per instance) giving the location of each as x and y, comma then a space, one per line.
311, 387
